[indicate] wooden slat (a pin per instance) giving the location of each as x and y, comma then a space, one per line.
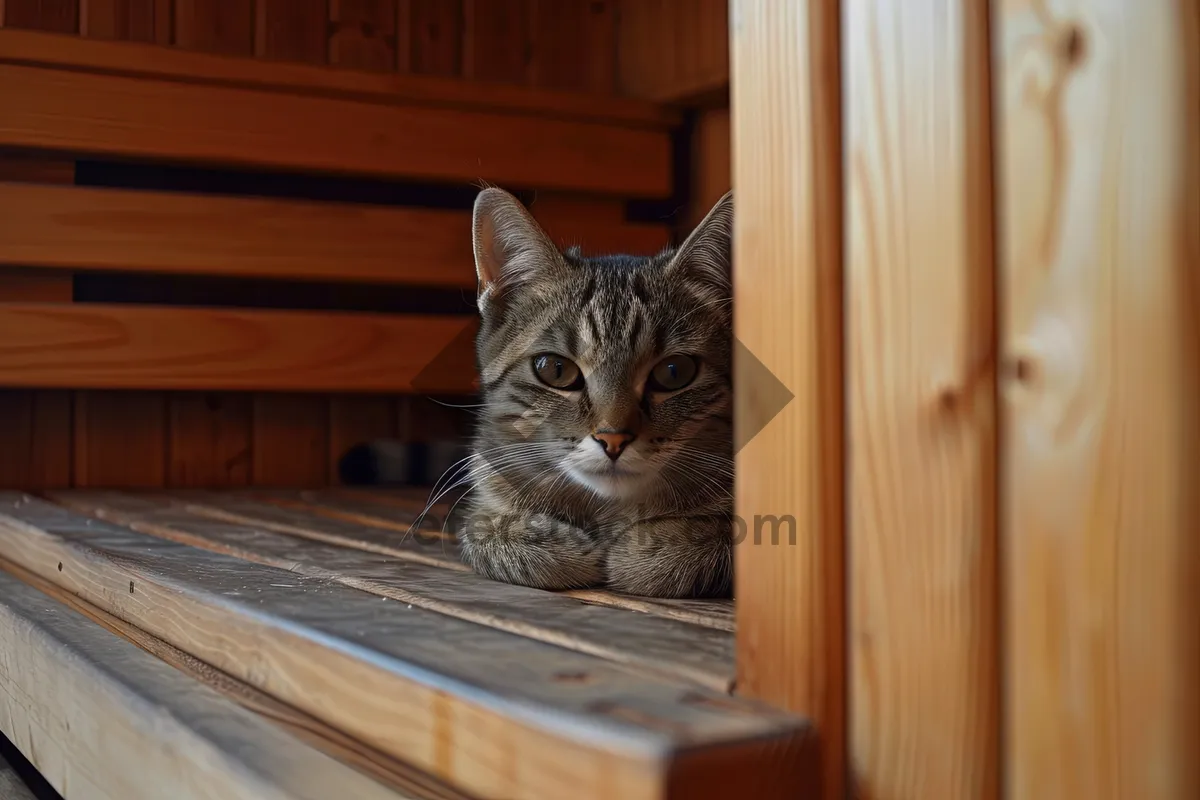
575, 45
158, 347
787, 247
223, 27
25, 47
386, 770
356, 420
127, 20
119, 440
35, 439
673, 50
1099, 147
496, 40
363, 34
291, 440
98, 717
58, 16
665, 647
210, 439
35, 286
597, 225
114, 229
711, 177
496, 714
436, 31
921, 443
292, 30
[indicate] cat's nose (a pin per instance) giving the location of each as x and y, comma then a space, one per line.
614, 442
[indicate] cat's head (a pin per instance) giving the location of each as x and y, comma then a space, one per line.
610, 372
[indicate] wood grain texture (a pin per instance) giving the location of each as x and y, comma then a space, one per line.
787, 248
35, 286
139, 231
290, 440
711, 175
495, 714
497, 40
596, 225
292, 30
355, 420
221, 27
160, 347
139, 60
574, 45
646, 643
207, 124
35, 439
364, 34
210, 439
127, 20
921, 402
119, 440
673, 50
34, 166
99, 717
436, 28
385, 770
57, 16
1099, 143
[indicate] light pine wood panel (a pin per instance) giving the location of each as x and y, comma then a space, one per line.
921, 402
495, 714
126, 58
159, 347
210, 124
167, 232
788, 285
99, 717
664, 647
1099, 147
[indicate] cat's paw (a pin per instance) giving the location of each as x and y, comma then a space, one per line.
532, 550
674, 558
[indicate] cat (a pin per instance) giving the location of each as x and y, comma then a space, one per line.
603, 455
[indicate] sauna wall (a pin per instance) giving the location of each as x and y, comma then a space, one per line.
55, 439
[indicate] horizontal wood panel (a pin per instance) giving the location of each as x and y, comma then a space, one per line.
473, 701
113, 229
152, 347
99, 717
129, 58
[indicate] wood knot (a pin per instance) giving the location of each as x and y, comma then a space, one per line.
1072, 46
1023, 370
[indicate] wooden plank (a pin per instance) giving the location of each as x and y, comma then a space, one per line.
120, 440
57, 16
787, 244
290, 440
35, 286
436, 28
385, 770
496, 40
33, 166
138, 231
35, 439
127, 20
476, 702
210, 440
364, 34
653, 644
292, 30
356, 420
715, 614
99, 717
673, 50
921, 444
138, 60
221, 27
160, 347
575, 45
597, 225
1099, 145
711, 162
220, 125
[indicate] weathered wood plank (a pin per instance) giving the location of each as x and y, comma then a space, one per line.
138, 60
136, 231
1098, 131
666, 647
787, 161
494, 713
920, 401
218, 124
99, 717
98, 346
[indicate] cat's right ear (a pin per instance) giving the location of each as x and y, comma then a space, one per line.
511, 249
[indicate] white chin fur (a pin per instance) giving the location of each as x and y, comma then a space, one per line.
616, 485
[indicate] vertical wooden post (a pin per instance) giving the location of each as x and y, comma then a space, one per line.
788, 313
921, 492
1100, 146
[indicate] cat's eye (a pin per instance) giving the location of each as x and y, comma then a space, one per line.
672, 374
558, 372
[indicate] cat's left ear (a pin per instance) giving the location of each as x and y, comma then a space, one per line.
706, 256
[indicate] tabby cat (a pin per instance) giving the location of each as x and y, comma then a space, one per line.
603, 455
